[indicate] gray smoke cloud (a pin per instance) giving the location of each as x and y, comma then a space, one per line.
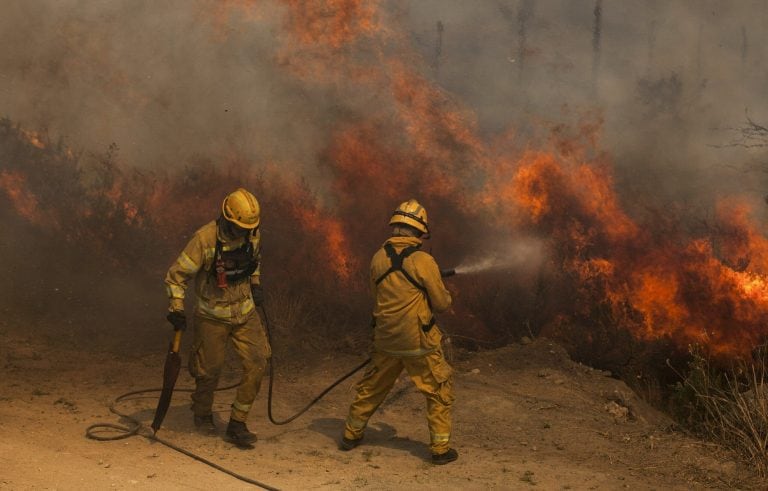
180, 79
671, 78
167, 80
163, 80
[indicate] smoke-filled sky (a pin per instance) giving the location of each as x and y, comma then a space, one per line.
604, 129
159, 79
169, 80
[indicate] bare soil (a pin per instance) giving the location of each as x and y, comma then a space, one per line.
526, 417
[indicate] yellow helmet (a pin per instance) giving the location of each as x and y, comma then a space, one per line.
241, 208
411, 213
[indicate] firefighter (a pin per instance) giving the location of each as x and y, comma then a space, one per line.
407, 288
223, 257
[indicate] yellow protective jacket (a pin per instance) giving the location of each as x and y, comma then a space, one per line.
233, 304
403, 314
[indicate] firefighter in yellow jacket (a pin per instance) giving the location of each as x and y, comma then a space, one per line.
407, 288
223, 258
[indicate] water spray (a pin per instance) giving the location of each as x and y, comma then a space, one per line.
472, 268
515, 254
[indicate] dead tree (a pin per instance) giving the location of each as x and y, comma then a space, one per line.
438, 49
596, 39
749, 135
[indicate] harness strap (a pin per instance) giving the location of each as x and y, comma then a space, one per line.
397, 265
239, 274
216, 255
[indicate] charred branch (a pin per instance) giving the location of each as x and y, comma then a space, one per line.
749, 135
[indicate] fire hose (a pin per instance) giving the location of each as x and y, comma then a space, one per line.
135, 427
313, 401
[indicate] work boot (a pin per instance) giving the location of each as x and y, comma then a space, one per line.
347, 444
238, 434
205, 424
444, 458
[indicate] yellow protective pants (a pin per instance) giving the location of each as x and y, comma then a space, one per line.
433, 378
206, 361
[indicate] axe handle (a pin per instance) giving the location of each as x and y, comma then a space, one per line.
176, 341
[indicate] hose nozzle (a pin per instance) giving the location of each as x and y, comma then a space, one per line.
445, 273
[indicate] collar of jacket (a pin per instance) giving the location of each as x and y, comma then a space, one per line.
400, 242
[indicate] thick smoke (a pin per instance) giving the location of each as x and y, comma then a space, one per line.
172, 79
163, 81
671, 78
407, 99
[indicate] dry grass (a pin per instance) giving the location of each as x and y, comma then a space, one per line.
299, 323
731, 406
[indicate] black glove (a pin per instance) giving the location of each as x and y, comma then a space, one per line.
178, 319
258, 294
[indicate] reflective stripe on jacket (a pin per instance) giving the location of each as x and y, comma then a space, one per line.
403, 312
232, 304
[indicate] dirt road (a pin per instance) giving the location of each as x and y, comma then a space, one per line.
526, 417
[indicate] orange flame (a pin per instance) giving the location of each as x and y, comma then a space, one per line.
687, 294
33, 137
708, 288
14, 184
331, 23
335, 242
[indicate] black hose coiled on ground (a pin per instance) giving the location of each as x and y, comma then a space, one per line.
313, 401
135, 427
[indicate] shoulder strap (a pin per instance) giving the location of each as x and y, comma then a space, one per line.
216, 254
397, 264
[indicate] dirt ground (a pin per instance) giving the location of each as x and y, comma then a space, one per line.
526, 417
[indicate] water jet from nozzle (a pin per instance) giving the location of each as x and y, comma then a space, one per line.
518, 253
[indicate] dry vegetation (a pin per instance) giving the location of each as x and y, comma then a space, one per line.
91, 218
729, 406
